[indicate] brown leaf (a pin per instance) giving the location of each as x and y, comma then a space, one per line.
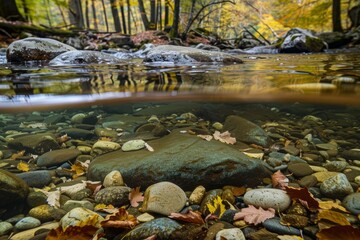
224, 137
238, 191
120, 219
72, 233
339, 232
135, 197
17, 155
252, 215
279, 180
333, 216
304, 197
327, 205
191, 217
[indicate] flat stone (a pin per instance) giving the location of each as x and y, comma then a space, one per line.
38, 179
84, 57
182, 163
27, 223
163, 198
352, 154
78, 133
34, 49
5, 228
326, 146
230, 234
322, 176
104, 132
71, 204
34, 143
42, 212
335, 166
268, 198
101, 147
145, 217
35, 199
161, 227
246, 131
318, 168
79, 216
336, 187
274, 225
300, 169
187, 55
29, 234
133, 145
114, 178
352, 203
116, 196
57, 157
308, 181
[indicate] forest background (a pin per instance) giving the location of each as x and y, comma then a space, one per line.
227, 18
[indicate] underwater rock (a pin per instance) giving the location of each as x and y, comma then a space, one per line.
352, 203
35, 49
185, 160
115, 195
268, 198
336, 187
84, 57
187, 55
34, 143
57, 157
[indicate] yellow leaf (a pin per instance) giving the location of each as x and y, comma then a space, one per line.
22, 166
217, 208
327, 205
333, 216
17, 155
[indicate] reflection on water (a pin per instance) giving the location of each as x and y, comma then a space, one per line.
261, 76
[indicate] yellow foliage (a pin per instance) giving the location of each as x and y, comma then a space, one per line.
22, 166
217, 207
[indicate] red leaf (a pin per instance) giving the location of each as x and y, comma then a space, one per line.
191, 217
121, 219
304, 197
279, 180
339, 232
252, 215
135, 197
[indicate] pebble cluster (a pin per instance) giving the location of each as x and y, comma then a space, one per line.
62, 170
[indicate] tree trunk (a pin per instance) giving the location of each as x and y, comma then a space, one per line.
94, 14
10, 11
123, 16
75, 14
166, 17
128, 16
174, 32
26, 10
144, 18
152, 15
105, 16
336, 15
115, 14
87, 19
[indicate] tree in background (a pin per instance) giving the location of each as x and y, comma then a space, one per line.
76, 14
336, 16
10, 11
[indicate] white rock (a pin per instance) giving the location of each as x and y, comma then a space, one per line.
78, 118
133, 145
106, 145
78, 217
197, 195
163, 198
230, 234
268, 198
113, 178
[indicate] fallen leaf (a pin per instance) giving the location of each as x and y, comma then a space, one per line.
191, 217
22, 166
148, 147
73, 233
304, 197
252, 215
135, 197
339, 232
53, 197
217, 207
332, 216
120, 219
279, 180
70, 190
224, 137
79, 169
62, 139
254, 155
289, 237
106, 208
238, 191
327, 205
17, 155
205, 137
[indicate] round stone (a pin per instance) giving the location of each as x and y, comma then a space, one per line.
5, 228
101, 147
336, 187
78, 118
163, 198
268, 198
197, 195
42, 212
230, 234
71, 204
300, 169
114, 178
335, 166
116, 196
27, 223
133, 145
352, 203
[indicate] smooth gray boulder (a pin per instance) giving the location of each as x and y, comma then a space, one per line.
187, 55
183, 159
35, 49
84, 57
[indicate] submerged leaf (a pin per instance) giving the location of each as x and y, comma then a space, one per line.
224, 137
22, 166
135, 197
304, 197
333, 216
73, 233
205, 137
53, 197
252, 215
279, 180
191, 217
339, 232
327, 205
120, 219
217, 207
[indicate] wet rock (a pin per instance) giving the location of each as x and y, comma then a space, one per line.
145, 217
336, 187
322, 176
133, 145
57, 157
308, 181
161, 227
71, 204
197, 195
209, 200
116, 196
268, 198
34, 143
104, 132
299, 41
335, 39
230, 234
300, 169
274, 225
163, 198
27, 223
38, 179
33, 49
246, 131
78, 216
114, 178
352, 203
352, 154
101, 147
262, 234
335, 166
13, 190
219, 165
5, 228
78, 133
84, 57
29, 234
42, 212
35, 199
187, 55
